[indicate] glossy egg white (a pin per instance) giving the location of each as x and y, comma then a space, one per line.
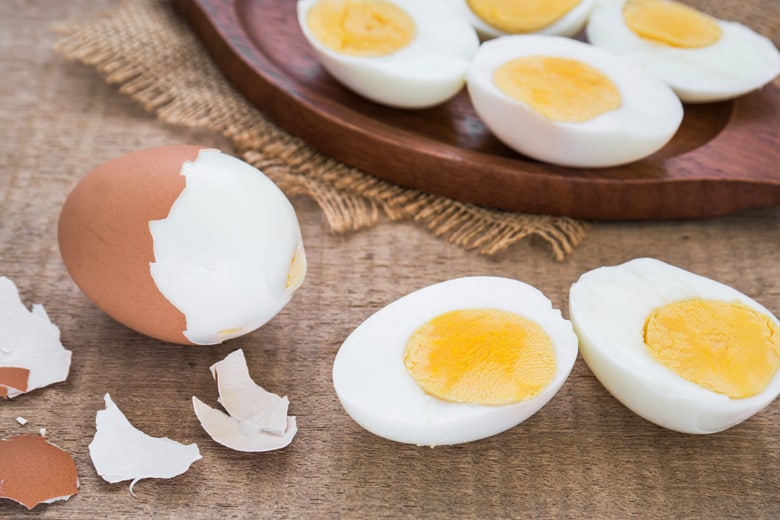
568, 25
427, 72
608, 307
739, 62
378, 392
648, 118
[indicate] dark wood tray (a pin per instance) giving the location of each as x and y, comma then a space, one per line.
724, 158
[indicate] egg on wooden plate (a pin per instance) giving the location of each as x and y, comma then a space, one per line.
702, 58
494, 18
565, 102
455, 362
399, 53
683, 351
182, 243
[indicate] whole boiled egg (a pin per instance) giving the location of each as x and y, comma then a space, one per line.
182, 243
565, 102
400, 53
683, 351
454, 362
702, 58
494, 18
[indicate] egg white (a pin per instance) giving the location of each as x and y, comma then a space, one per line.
568, 25
377, 391
223, 254
427, 72
648, 118
739, 62
608, 307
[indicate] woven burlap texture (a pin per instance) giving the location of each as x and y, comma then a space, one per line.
148, 51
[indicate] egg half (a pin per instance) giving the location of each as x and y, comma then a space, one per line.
494, 18
400, 53
454, 362
566, 102
702, 58
184, 244
683, 351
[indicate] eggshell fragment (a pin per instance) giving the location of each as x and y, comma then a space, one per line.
245, 400
34, 471
258, 419
31, 355
240, 435
119, 451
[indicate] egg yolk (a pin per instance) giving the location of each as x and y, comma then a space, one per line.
367, 28
727, 348
481, 356
560, 89
515, 17
671, 23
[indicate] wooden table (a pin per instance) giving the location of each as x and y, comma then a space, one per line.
582, 456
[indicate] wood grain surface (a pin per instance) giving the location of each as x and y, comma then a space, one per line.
583, 455
722, 159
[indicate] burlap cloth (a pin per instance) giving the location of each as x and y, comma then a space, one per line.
145, 49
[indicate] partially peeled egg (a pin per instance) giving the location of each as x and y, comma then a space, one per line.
185, 244
455, 362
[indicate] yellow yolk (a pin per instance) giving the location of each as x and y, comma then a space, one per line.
515, 17
671, 23
560, 89
297, 270
481, 356
724, 347
366, 28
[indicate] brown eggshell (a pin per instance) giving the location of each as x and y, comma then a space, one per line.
106, 244
32, 471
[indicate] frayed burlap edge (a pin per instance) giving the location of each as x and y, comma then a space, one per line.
145, 49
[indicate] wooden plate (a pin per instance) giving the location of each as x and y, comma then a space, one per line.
724, 158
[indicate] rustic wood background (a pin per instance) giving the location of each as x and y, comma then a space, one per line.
582, 456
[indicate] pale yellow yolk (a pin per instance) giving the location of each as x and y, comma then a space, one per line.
560, 89
366, 28
671, 23
724, 347
481, 356
297, 269
517, 16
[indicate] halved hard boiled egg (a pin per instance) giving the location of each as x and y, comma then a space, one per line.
566, 102
455, 362
400, 53
182, 243
683, 351
494, 18
702, 58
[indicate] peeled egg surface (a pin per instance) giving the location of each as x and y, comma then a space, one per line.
702, 58
399, 53
569, 103
378, 371
182, 243
494, 18
698, 371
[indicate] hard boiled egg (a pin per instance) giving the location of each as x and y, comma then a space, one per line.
455, 362
400, 53
182, 243
700, 57
494, 18
566, 102
683, 351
